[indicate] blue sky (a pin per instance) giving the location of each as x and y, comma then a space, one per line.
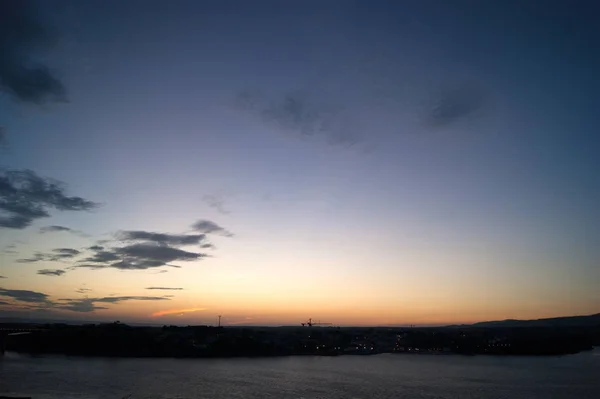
376, 162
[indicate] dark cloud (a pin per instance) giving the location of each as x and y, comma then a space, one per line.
79, 305
139, 250
51, 272
155, 253
86, 305
59, 254
208, 227
69, 252
137, 264
4, 303
454, 103
138, 257
162, 238
93, 266
49, 229
83, 290
216, 202
25, 197
102, 256
21, 34
164, 288
2, 277
24, 295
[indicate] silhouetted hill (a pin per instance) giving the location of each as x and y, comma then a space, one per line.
74, 322
122, 340
570, 321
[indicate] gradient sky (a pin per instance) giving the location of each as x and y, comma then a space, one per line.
368, 162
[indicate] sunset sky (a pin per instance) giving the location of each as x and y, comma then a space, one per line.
354, 162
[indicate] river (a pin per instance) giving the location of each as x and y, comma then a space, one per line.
377, 377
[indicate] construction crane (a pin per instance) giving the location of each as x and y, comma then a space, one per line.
310, 323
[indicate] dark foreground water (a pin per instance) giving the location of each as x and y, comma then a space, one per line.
347, 377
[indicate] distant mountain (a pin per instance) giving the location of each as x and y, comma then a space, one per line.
26, 320
570, 321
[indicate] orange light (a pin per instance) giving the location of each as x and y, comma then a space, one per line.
176, 311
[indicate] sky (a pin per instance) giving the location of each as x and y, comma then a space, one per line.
353, 162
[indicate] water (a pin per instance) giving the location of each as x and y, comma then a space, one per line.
378, 377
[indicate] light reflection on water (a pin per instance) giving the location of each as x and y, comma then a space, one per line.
379, 377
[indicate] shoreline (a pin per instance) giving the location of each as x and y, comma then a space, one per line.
117, 340
399, 354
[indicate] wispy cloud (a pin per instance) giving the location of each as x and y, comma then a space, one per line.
115, 299
59, 229
49, 229
178, 312
83, 290
51, 272
36, 257
57, 255
10, 249
20, 35
3, 139
26, 197
208, 227
2, 277
217, 202
164, 288
303, 114
454, 103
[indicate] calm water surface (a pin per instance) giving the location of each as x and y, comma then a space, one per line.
377, 377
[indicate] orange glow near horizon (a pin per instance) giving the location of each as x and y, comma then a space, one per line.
351, 315
437, 293
177, 312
